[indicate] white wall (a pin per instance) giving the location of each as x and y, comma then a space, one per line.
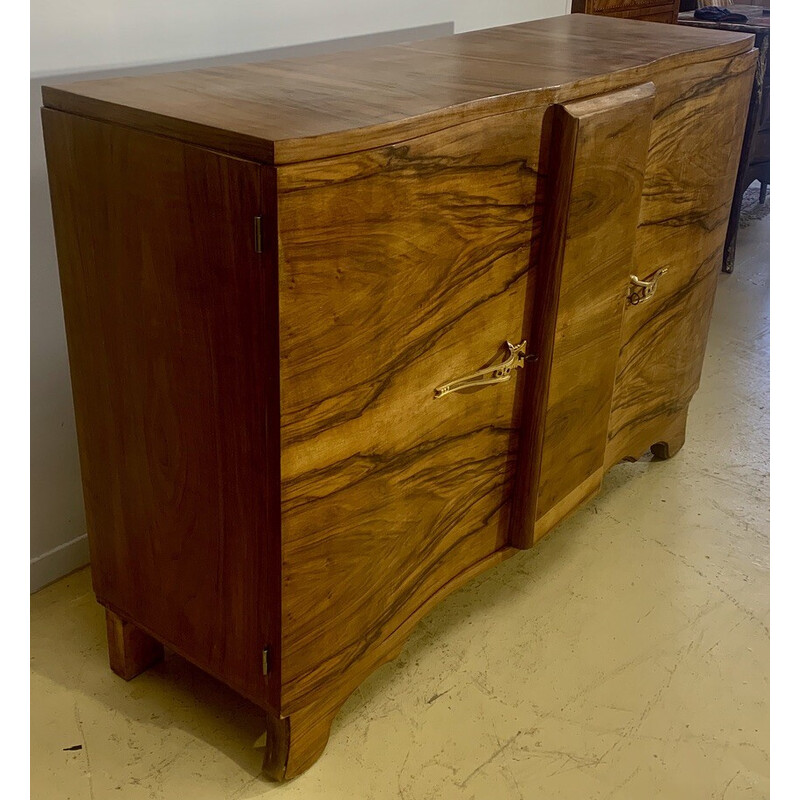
78, 35
84, 36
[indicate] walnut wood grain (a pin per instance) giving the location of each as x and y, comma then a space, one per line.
166, 308
673, 438
401, 268
598, 158
686, 201
287, 111
296, 741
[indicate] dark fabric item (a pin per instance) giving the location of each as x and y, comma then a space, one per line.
718, 14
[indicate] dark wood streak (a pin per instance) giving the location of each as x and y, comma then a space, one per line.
702, 89
374, 464
343, 658
600, 151
395, 162
664, 311
663, 340
433, 494
307, 425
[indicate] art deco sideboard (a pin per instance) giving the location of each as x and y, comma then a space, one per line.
345, 331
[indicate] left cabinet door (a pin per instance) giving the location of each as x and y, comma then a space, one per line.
170, 335
403, 269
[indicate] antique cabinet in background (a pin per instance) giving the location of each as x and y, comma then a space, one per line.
754, 163
345, 331
646, 10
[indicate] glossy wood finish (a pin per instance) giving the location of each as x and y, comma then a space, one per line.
296, 741
166, 308
400, 269
326, 105
599, 164
686, 201
272, 488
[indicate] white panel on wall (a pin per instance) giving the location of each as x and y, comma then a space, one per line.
77, 35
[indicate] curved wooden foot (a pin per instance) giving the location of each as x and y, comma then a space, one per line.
295, 742
130, 650
673, 440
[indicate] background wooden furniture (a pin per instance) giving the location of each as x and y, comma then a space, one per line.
754, 162
691, 5
649, 10
269, 270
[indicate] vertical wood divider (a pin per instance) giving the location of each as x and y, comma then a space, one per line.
596, 160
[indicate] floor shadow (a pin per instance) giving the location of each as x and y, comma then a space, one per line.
173, 693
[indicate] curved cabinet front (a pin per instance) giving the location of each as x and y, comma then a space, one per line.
401, 269
316, 394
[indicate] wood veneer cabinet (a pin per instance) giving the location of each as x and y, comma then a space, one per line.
296, 296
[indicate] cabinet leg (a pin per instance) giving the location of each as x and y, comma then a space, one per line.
673, 440
130, 650
762, 192
295, 742
729, 255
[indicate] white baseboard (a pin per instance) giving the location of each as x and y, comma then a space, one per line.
58, 562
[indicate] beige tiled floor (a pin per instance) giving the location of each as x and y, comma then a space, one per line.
625, 657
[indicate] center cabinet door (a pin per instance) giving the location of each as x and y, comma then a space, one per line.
401, 269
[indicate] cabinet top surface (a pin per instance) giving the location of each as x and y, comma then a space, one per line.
325, 105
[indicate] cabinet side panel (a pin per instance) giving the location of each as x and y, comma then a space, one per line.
165, 308
694, 151
402, 268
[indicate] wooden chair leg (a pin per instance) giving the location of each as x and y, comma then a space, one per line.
130, 650
762, 192
295, 742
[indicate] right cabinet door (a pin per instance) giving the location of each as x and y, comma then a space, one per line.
695, 142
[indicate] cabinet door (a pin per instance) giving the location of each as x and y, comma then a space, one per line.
401, 268
597, 160
688, 189
166, 309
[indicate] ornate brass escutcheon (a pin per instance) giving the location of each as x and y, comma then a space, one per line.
643, 290
498, 373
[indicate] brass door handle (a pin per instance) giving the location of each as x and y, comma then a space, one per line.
498, 373
643, 290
